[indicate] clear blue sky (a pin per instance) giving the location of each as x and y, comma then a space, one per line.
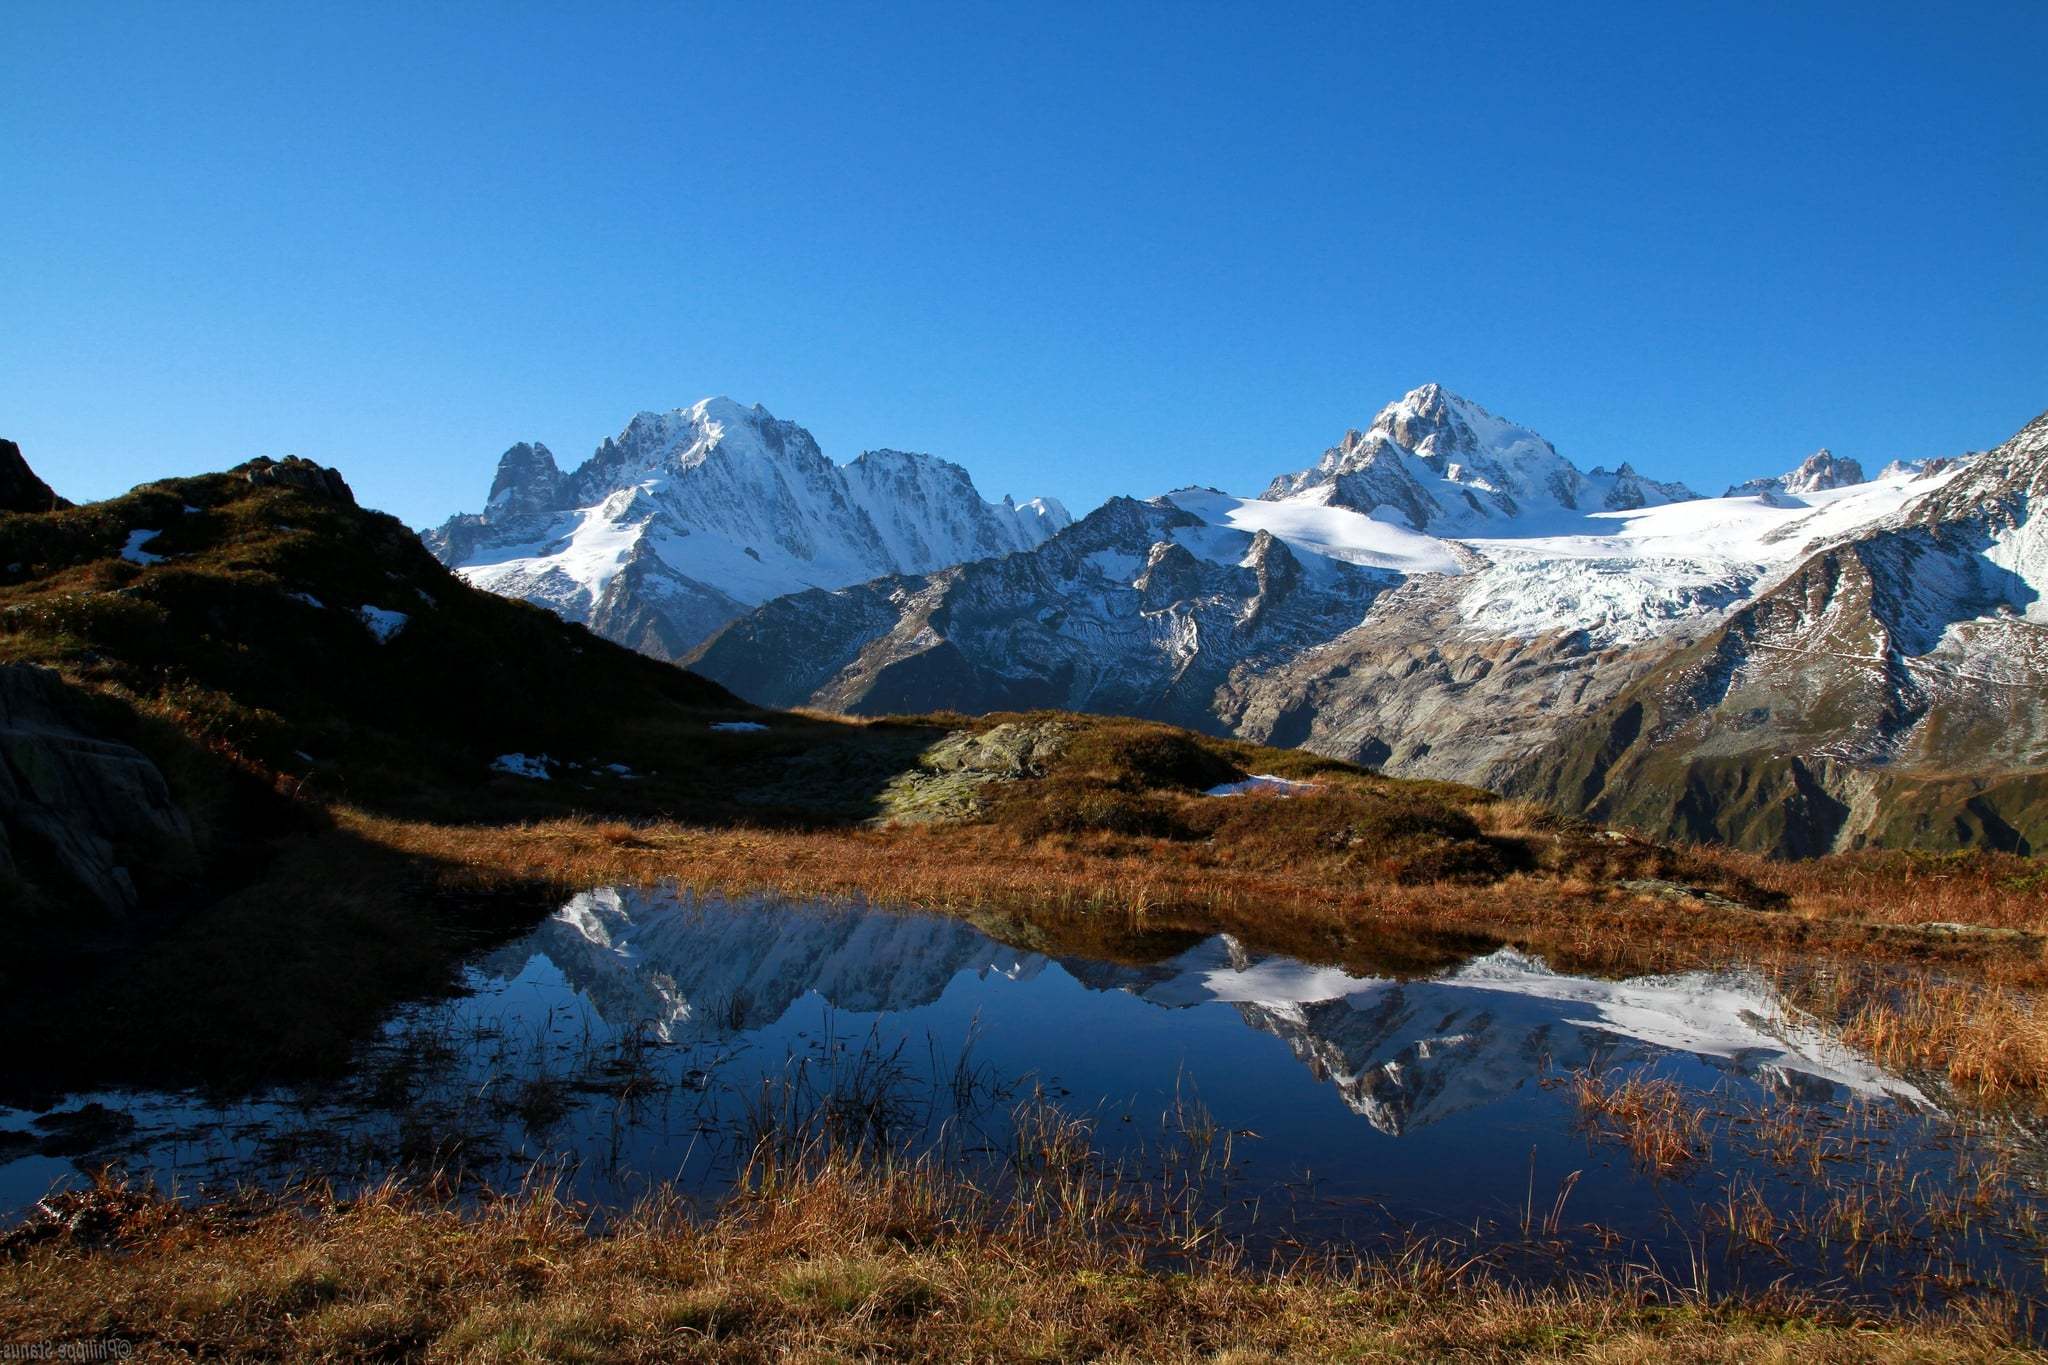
1080, 249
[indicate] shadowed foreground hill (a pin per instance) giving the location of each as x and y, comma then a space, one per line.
192, 668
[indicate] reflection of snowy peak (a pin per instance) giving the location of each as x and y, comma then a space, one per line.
696, 968
687, 518
1404, 1054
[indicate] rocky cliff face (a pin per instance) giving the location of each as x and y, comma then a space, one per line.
1141, 608
1826, 661
688, 518
78, 810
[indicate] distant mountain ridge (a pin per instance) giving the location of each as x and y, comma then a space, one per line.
688, 518
1444, 595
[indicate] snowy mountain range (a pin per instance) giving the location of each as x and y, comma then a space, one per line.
688, 518
1810, 661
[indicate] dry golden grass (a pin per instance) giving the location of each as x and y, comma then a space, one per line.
1988, 1041
1988, 890
838, 1263
1662, 1128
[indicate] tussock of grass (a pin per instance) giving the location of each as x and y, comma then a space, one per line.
1975, 887
1662, 1128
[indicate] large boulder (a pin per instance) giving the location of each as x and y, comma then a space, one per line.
20, 489
77, 810
294, 471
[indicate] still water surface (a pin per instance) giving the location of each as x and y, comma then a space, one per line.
639, 1037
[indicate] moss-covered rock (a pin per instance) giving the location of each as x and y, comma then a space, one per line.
951, 779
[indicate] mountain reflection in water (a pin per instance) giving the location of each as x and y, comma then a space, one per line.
635, 1038
1403, 1054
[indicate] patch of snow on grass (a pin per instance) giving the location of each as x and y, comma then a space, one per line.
382, 623
524, 765
738, 727
308, 599
133, 551
1262, 784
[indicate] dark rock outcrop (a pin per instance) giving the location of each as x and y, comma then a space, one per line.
77, 810
296, 472
20, 489
1819, 472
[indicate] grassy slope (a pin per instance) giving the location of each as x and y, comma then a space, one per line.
218, 643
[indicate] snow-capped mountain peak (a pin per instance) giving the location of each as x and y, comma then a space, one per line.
1441, 426
1436, 462
682, 439
688, 517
